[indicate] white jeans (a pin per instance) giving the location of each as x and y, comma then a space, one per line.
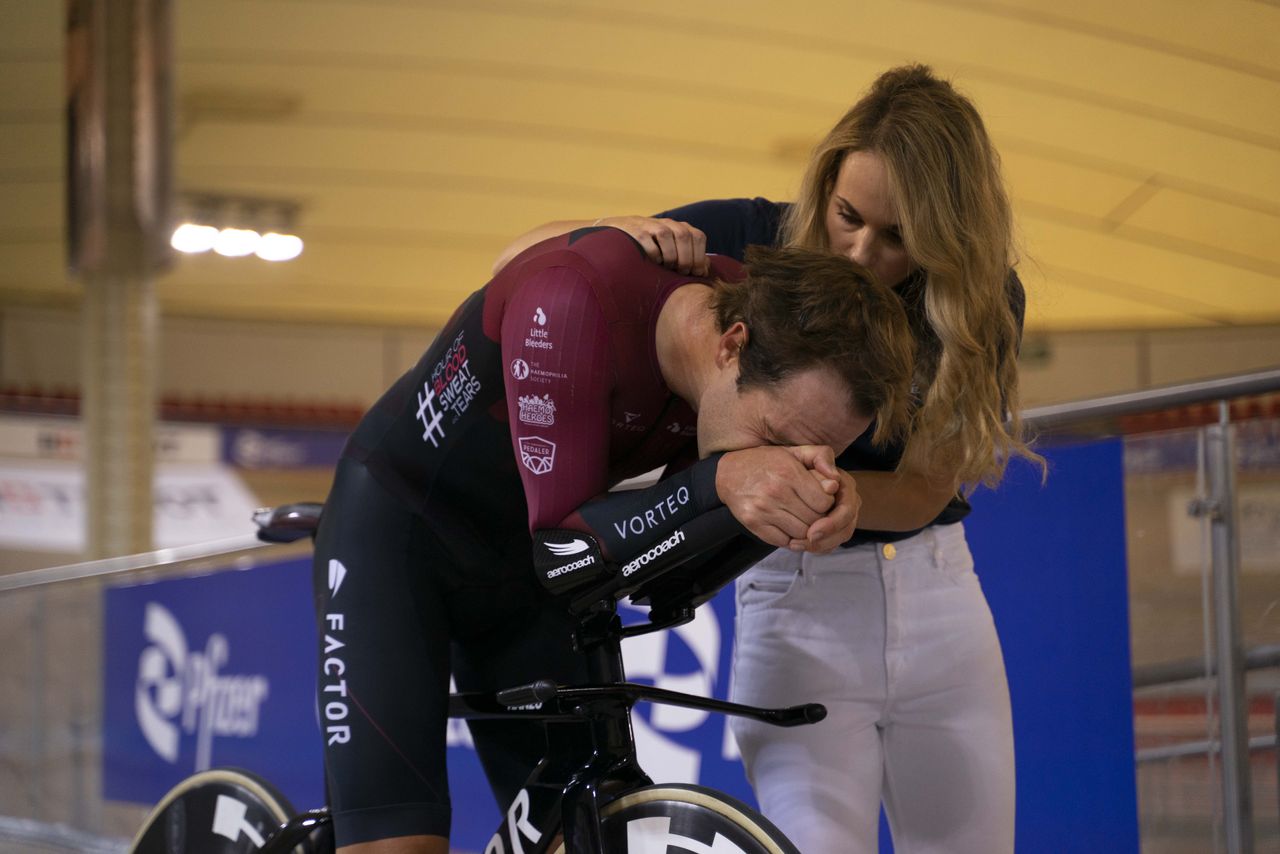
898, 643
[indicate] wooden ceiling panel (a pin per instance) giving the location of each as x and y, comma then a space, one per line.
1246, 231
32, 146
32, 205
1233, 33
1071, 185
1232, 164
35, 266
30, 29
1058, 305
327, 284
1141, 140
1178, 273
468, 150
1039, 63
33, 88
508, 104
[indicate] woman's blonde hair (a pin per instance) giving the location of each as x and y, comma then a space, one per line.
957, 228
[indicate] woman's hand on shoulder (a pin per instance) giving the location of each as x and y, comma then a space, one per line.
669, 242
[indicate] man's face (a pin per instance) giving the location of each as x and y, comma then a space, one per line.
808, 408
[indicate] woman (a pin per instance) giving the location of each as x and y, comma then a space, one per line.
891, 632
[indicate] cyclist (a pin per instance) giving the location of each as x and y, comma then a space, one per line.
581, 364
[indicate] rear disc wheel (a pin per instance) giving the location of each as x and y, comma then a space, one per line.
659, 819
220, 811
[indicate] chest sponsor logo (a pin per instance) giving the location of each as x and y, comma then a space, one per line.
537, 454
452, 380
651, 518
430, 415
537, 410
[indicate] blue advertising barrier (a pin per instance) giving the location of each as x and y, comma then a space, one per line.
219, 670
1053, 564
210, 671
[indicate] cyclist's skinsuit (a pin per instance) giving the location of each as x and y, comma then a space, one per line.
541, 392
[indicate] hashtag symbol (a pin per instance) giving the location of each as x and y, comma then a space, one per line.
430, 417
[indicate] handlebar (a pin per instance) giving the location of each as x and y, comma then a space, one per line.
580, 699
649, 576
674, 576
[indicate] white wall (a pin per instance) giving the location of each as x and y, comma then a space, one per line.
284, 361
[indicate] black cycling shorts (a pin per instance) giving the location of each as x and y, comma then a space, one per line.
399, 608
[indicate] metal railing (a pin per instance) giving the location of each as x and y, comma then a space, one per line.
1194, 669
1102, 417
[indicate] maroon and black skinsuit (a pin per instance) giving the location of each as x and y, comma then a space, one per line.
541, 393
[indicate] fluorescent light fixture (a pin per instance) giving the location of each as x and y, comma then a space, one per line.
236, 242
190, 237
278, 247
238, 226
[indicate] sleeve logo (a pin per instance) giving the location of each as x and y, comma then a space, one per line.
537, 454
537, 410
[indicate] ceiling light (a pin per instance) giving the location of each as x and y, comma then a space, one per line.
236, 242
278, 247
237, 226
190, 237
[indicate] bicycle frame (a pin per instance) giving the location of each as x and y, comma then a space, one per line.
591, 748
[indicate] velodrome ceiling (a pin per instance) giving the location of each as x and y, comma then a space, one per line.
1141, 139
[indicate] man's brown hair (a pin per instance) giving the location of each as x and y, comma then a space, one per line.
805, 309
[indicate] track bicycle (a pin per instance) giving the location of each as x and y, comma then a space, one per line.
588, 795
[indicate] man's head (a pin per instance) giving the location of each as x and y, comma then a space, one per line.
811, 350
